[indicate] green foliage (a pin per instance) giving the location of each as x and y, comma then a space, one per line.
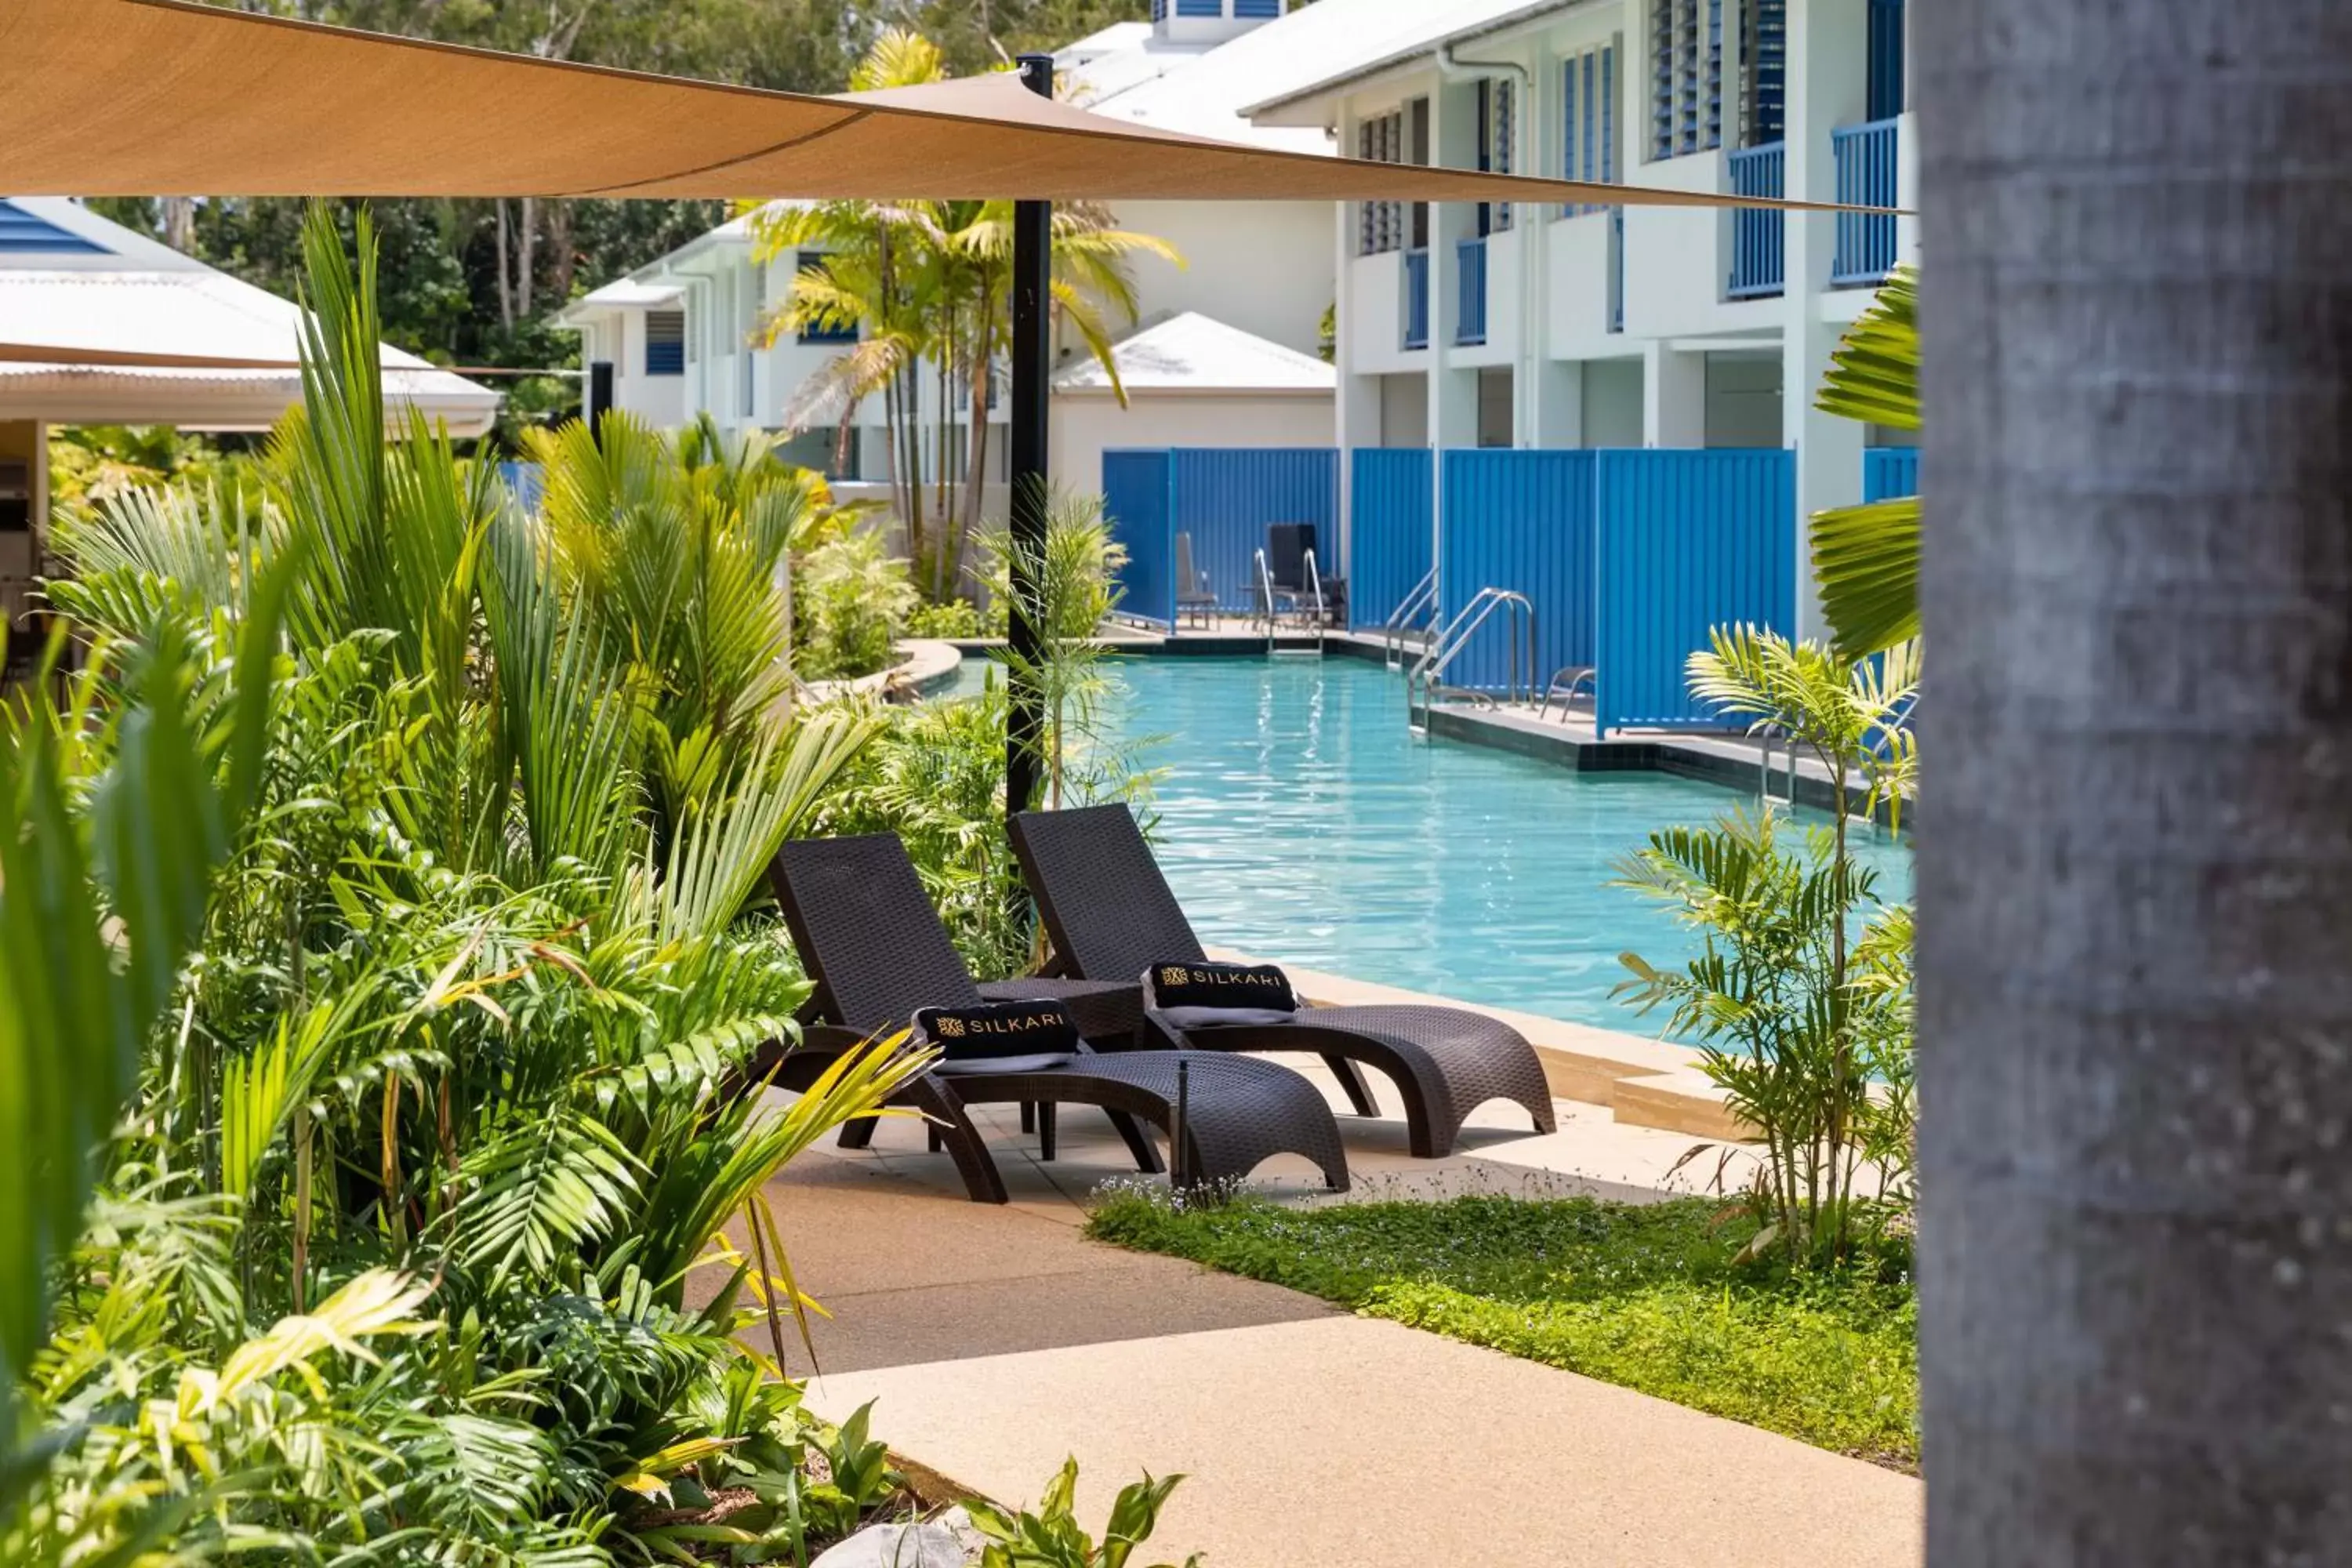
926, 286
1655, 1297
1072, 584
1052, 1538
854, 603
1793, 1019
408, 1126
93, 463
1866, 558
955, 620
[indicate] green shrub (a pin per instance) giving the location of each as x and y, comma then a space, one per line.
957, 620
854, 604
1650, 1297
396, 1201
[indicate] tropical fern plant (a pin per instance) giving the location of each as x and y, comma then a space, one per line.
1798, 1000
386, 977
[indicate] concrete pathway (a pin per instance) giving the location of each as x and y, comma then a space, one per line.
997, 1340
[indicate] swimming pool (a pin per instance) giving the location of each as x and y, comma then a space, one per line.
1302, 822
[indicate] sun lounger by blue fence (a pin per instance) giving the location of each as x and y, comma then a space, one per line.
1224, 497
1629, 558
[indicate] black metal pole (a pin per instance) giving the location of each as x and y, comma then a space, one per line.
1033, 263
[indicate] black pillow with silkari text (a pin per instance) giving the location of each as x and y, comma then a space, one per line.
1197, 986
999, 1029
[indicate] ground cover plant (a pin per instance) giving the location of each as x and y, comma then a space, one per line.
1656, 1298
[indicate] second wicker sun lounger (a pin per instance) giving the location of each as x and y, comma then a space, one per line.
879, 954
1111, 915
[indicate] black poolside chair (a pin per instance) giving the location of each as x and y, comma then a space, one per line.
879, 954
1112, 914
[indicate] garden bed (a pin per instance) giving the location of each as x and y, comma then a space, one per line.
1647, 1296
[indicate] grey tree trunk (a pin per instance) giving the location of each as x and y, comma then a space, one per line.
2135, 852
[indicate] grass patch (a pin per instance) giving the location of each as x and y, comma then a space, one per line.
1644, 1296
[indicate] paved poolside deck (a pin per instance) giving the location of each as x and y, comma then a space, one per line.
998, 1339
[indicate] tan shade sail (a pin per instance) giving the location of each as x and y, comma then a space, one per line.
155, 97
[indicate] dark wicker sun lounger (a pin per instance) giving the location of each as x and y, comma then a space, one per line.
1111, 915
879, 954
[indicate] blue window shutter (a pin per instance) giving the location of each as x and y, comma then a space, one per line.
1568, 164
1887, 63
1662, 79
1608, 113
665, 343
1592, 116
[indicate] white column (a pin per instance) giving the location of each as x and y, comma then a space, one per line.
1828, 87
1673, 397
1560, 402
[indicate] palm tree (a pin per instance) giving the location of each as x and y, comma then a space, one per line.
927, 286
2134, 874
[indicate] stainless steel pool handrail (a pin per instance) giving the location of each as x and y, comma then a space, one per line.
1422, 602
1265, 595
1315, 589
1424, 679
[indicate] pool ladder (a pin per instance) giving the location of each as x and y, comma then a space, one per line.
1424, 682
1309, 603
1416, 607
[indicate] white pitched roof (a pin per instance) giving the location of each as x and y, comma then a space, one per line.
135, 297
621, 294
1350, 38
1193, 352
1128, 72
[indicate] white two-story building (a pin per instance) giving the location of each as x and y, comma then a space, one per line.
1479, 325
1223, 350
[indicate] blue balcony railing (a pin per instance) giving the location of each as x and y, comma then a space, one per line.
1867, 177
1470, 320
1758, 239
1416, 299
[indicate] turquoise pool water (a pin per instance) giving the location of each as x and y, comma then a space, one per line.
1300, 820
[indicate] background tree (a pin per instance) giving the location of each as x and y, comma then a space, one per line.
2136, 873
927, 286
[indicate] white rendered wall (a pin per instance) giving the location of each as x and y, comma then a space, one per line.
1083, 428
1264, 266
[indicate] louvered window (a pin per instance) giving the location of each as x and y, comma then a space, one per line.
1588, 97
666, 342
1685, 77
1380, 225
1764, 74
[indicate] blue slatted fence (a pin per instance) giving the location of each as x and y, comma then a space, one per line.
1687, 541
526, 480
1521, 521
1389, 531
1889, 471
1138, 502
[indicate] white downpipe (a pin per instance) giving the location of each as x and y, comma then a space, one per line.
1525, 223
